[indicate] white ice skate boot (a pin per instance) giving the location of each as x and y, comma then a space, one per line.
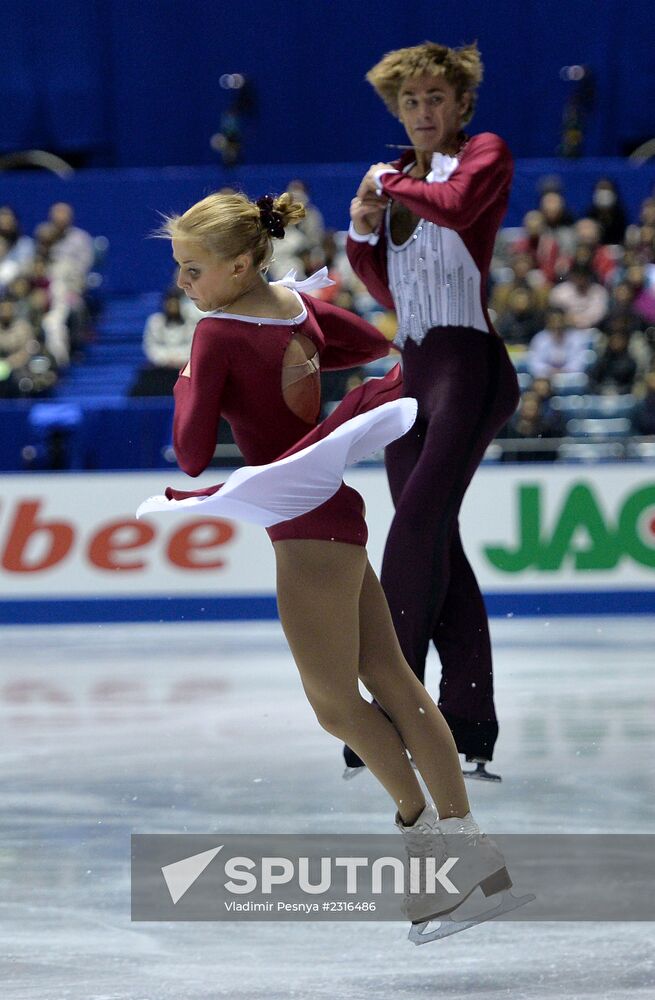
457, 858
423, 840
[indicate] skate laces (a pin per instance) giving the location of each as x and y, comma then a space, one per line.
464, 827
426, 825
422, 845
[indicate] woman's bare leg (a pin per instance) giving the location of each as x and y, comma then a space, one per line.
423, 730
319, 588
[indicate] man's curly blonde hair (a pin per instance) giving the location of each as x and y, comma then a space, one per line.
462, 68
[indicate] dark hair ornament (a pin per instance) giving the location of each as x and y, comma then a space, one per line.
271, 220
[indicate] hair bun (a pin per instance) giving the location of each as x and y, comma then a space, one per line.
271, 220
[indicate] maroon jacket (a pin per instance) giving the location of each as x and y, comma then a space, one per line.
473, 202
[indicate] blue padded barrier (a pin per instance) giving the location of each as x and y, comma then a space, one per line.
109, 432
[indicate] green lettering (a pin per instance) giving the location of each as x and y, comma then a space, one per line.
529, 520
580, 513
631, 542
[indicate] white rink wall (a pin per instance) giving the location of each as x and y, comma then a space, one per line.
542, 539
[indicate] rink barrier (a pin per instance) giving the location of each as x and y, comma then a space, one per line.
542, 540
264, 608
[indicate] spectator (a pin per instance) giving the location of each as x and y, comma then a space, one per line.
558, 220
622, 299
17, 344
311, 259
8, 269
52, 323
35, 307
167, 345
541, 385
608, 212
541, 245
312, 226
329, 257
524, 275
643, 420
521, 319
72, 250
45, 237
642, 241
17, 251
528, 424
623, 319
352, 293
598, 257
543, 389
646, 218
558, 348
302, 243
18, 292
615, 369
32, 303
288, 255
66, 282
584, 300
647, 235
643, 302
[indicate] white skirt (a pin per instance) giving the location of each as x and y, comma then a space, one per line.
291, 486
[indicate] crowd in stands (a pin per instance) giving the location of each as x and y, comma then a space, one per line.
573, 299
44, 313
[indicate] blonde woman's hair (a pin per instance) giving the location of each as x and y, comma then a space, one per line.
462, 68
229, 224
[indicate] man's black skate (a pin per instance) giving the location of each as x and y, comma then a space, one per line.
354, 764
480, 773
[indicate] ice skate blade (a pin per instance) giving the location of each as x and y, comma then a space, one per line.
449, 925
481, 773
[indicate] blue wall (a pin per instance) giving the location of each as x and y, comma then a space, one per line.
123, 204
137, 84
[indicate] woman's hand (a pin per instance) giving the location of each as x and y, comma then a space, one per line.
367, 213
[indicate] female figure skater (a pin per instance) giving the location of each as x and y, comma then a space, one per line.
421, 239
256, 358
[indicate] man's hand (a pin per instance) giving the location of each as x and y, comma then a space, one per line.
369, 183
367, 213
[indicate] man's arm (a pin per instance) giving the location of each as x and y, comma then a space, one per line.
456, 203
368, 261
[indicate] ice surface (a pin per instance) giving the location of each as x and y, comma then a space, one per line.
113, 730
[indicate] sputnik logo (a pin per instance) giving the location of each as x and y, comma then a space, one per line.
181, 875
